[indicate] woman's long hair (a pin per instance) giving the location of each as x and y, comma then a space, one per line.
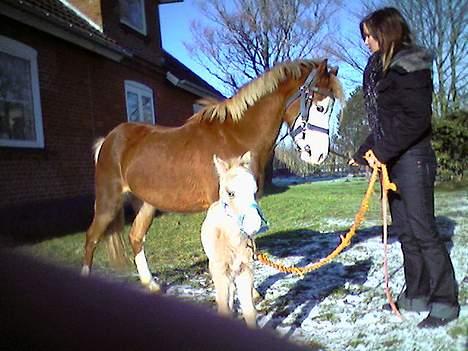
391, 31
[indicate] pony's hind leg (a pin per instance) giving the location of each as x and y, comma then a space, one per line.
93, 235
105, 211
140, 226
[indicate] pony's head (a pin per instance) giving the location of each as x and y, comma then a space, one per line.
309, 109
237, 189
305, 92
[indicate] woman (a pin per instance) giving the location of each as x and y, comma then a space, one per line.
398, 96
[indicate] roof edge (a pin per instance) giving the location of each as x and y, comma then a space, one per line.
48, 26
82, 15
190, 86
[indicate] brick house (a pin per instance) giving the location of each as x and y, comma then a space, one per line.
70, 71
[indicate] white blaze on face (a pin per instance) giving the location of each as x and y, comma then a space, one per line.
314, 143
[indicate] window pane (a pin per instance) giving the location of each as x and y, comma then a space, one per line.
131, 12
16, 101
132, 107
147, 103
139, 99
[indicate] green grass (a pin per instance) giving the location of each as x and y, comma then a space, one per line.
173, 246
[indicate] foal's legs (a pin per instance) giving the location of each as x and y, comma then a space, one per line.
244, 283
140, 226
223, 288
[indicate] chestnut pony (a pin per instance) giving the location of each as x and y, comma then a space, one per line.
171, 169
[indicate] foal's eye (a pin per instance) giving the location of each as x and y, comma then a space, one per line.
230, 193
320, 108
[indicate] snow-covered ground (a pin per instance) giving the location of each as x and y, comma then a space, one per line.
338, 307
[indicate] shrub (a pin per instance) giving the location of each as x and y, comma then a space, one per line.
450, 137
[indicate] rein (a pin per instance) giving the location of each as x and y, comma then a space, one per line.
386, 185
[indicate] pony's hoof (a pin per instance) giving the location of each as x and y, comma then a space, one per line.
85, 271
256, 296
154, 287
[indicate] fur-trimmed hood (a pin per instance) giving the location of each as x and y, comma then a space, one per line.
413, 59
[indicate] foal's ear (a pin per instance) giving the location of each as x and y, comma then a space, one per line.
221, 166
245, 159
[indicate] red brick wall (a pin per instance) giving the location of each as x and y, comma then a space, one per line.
146, 46
82, 98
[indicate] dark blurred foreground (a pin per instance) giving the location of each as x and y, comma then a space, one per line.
45, 307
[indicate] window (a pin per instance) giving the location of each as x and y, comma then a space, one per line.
132, 13
139, 100
20, 107
196, 107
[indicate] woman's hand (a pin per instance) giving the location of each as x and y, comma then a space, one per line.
352, 162
371, 159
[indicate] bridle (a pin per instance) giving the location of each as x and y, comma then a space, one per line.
306, 95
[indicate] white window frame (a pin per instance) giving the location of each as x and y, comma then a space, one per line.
20, 50
143, 15
196, 107
140, 90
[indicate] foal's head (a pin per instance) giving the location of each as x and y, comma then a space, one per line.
237, 189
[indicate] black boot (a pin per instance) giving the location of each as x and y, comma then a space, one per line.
440, 315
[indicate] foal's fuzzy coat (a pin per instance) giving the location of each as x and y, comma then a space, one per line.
226, 236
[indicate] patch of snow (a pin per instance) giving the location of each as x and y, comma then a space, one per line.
339, 305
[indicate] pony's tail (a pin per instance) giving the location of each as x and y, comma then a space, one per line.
97, 148
115, 243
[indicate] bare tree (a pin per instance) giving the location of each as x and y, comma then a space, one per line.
346, 45
240, 39
442, 26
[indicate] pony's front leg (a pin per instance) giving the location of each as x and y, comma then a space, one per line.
137, 234
222, 285
244, 283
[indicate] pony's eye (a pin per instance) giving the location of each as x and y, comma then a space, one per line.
320, 108
230, 193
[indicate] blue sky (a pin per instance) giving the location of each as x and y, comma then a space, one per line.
175, 30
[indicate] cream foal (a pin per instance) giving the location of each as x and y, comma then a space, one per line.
226, 236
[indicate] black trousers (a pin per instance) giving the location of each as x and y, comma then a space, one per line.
427, 265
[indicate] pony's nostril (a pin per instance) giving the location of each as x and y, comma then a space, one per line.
320, 108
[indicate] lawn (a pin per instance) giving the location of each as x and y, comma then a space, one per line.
173, 246
337, 306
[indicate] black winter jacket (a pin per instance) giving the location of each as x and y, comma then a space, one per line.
404, 112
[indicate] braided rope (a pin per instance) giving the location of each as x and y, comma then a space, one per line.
345, 240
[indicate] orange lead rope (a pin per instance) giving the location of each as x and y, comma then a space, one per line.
386, 185
346, 239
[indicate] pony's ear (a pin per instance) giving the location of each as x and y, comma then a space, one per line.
334, 70
246, 159
221, 166
322, 67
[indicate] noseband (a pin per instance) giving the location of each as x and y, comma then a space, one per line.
240, 218
306, 95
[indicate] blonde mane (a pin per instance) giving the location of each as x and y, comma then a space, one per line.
250, 93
